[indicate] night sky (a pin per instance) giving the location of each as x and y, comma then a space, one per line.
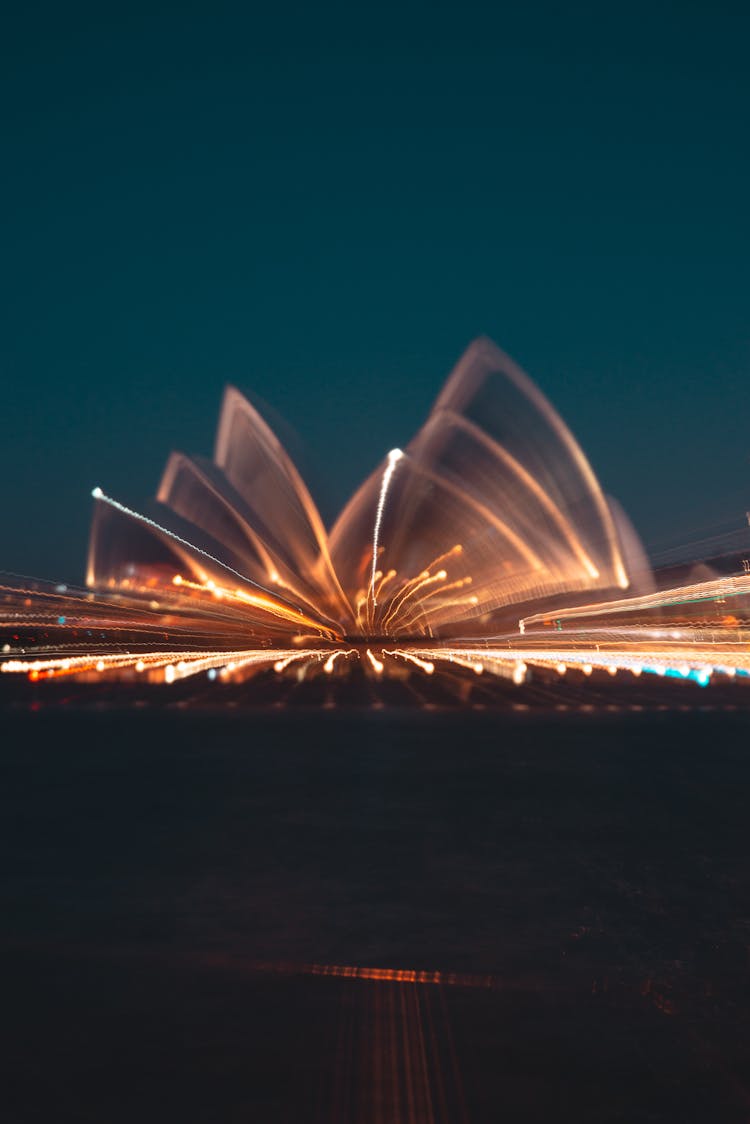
325, 205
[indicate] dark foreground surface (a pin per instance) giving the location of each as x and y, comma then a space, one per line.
175, 884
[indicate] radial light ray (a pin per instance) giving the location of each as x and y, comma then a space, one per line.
485, 548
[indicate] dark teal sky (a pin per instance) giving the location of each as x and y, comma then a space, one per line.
324, 205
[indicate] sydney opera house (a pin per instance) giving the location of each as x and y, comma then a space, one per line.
485, 547
295, 828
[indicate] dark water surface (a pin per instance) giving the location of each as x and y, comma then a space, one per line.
181, 889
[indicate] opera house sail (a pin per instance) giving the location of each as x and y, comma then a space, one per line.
486, 545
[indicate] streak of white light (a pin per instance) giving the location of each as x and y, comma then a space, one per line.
394, 457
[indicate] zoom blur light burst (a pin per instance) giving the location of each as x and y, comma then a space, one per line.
486, 545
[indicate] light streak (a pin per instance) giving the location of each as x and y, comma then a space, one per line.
427, 666
533, 537
534, 487
263, 600
376, 664
419, 976
712, 590
328, 666
100, 496
240, 428
410, 590
394, 457
268, 604
170, 666
406, 618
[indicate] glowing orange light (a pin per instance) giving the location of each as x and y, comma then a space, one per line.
491, 511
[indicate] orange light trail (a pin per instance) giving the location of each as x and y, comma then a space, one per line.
531, 586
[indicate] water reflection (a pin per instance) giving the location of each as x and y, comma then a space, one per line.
382, 917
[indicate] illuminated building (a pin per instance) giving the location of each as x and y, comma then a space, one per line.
487, 544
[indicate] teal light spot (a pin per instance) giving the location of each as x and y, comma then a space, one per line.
61, 620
